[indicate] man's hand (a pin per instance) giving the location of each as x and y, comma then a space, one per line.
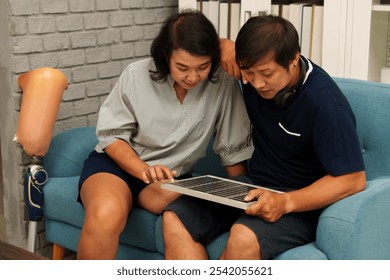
228, 58
157, 173
269, 206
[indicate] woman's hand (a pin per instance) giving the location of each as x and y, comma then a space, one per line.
157, 173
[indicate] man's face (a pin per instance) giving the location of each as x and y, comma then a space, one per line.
269, 77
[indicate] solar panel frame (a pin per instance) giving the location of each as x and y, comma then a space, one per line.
214, 188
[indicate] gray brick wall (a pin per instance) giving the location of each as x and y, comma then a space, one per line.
91, 41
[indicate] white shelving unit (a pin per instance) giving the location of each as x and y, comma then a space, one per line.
355, 38
376, 6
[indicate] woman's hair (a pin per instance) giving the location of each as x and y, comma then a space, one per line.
264, 35
191, 31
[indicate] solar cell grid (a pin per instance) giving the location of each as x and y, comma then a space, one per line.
213, 188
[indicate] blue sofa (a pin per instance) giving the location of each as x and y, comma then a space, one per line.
357, 227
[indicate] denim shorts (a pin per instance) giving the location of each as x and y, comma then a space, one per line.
206, 220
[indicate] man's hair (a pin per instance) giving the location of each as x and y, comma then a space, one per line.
264, 35
191, 31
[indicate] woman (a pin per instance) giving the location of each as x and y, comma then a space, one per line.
155, 125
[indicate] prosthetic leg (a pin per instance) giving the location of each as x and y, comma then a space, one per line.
42, 94
34, 180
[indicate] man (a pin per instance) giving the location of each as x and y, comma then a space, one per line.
305, 140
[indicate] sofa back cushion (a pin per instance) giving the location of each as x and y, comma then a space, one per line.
370, 102
68, 151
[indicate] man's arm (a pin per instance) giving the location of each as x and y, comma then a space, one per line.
228, 60
236, 169
271, 206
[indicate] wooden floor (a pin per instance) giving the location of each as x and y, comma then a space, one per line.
11, 252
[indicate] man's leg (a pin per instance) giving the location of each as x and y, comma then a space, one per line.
191, 223
253, 238
241, 245
178, 243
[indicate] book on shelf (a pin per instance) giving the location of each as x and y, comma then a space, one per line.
385, 75
275, 9
316, 34
211, 10
334, 37
295, 16
263, 7
307, 18
234, 19
248, 8
251, 8
284, 11
220, 13
187, 4
306, 26
223, 24
228, 16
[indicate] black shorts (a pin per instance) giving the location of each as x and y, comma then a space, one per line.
206, 220
101, 162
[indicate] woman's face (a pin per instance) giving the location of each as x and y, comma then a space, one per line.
188, 70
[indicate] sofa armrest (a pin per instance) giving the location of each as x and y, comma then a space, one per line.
68, 151
358, 227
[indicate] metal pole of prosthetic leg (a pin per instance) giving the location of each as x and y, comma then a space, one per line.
32, 235
34, 181
42, 93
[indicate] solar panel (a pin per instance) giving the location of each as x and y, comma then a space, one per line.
213, 188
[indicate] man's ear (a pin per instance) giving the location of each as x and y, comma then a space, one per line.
294, 63
296, 58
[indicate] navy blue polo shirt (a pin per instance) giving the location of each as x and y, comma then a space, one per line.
313, 137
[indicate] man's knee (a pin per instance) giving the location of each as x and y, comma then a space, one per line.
170, 220
242, 244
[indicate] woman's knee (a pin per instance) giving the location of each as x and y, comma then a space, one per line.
109, 215
107, 208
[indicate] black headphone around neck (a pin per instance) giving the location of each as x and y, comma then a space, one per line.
285, 97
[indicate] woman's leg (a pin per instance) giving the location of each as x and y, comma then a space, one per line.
107, 200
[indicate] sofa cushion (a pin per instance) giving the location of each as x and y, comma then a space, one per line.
356, 224
60, 201
68, 151
370, 102
60, 204
305, 252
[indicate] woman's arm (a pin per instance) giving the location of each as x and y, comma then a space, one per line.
128, 160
